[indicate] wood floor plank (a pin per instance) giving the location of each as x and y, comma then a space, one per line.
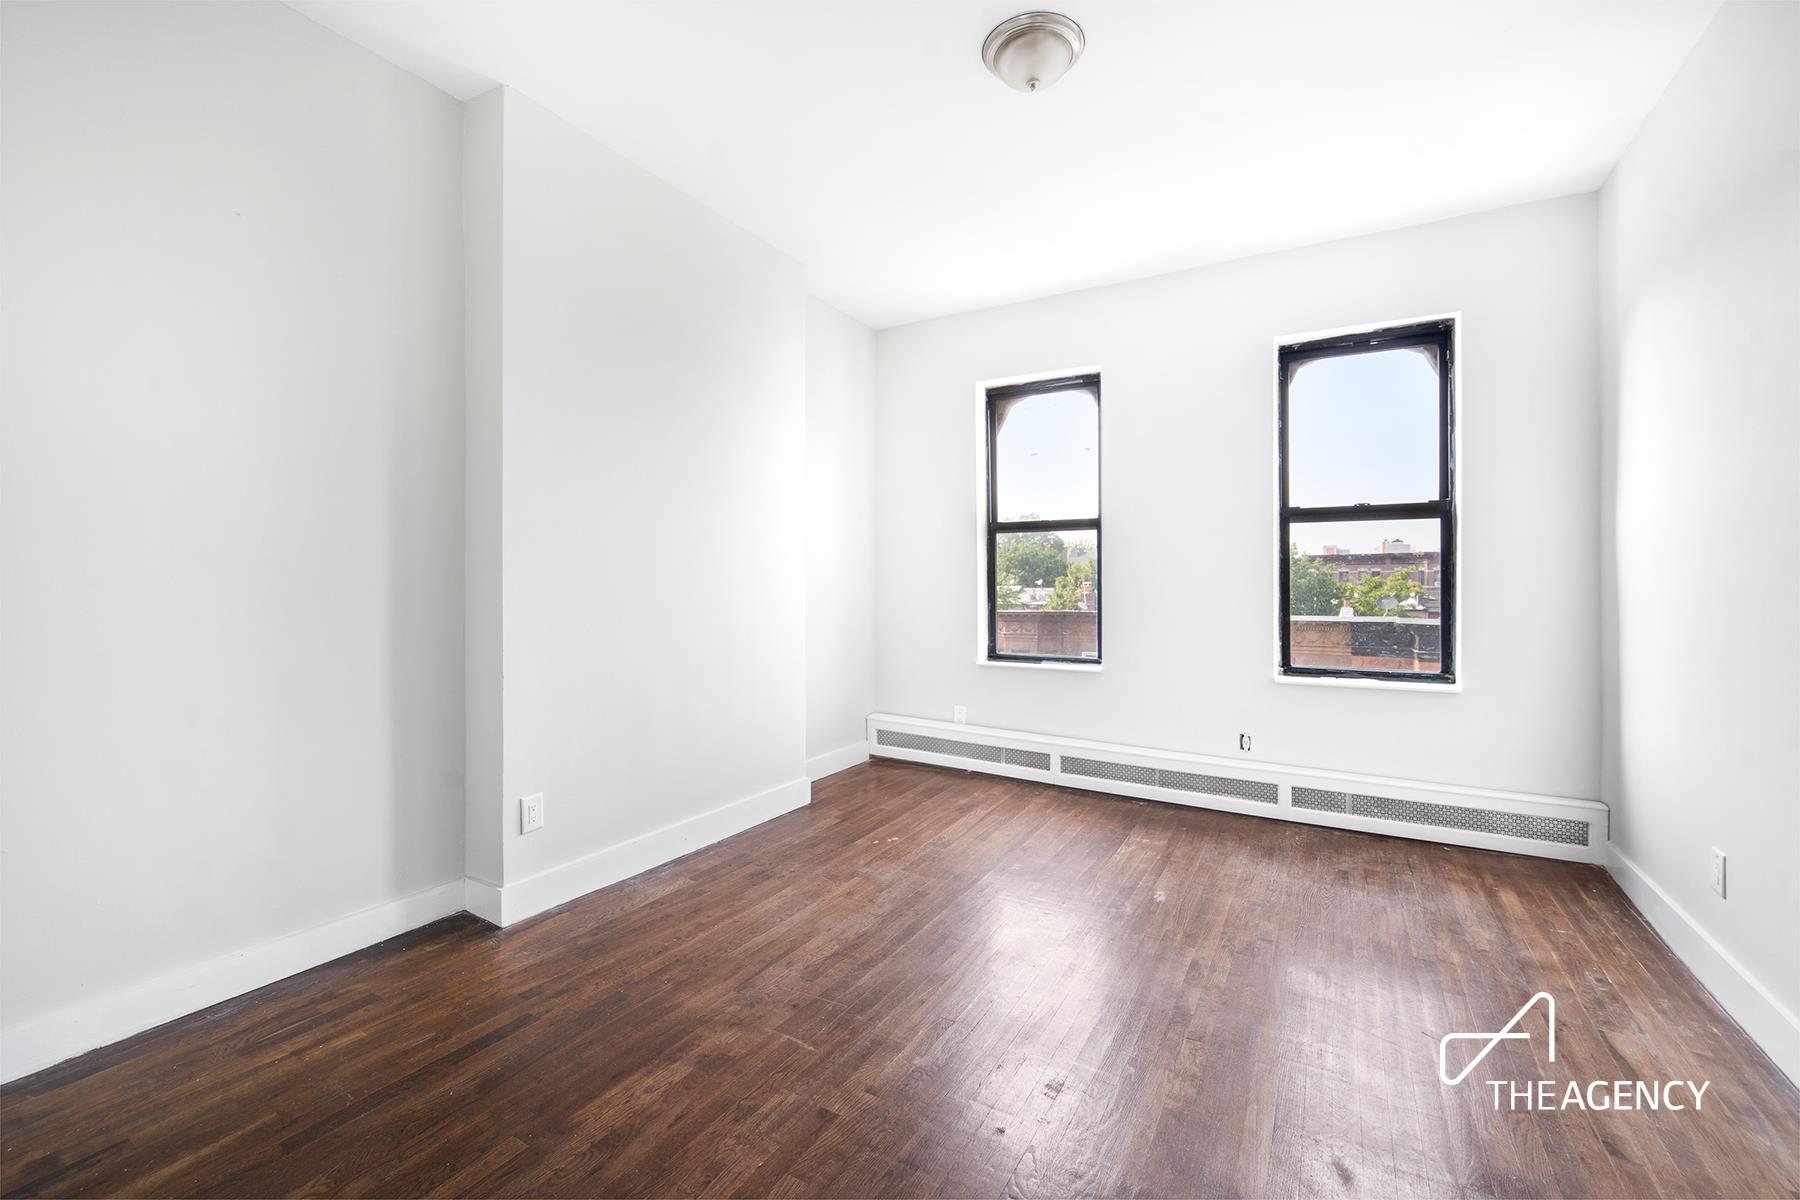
931, 983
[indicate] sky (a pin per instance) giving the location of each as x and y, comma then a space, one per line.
1363, 429
1047, 457
1362, 537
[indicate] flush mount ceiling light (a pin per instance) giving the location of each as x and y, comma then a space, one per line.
1033, 50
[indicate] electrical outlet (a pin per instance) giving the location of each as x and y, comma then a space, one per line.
1718, 872
1243, 741
960, 714
531, 813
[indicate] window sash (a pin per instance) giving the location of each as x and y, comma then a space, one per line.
1442, 507
996, 527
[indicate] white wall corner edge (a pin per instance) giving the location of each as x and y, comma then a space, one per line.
841, 759
112, 1016
561, 884
1768, 1022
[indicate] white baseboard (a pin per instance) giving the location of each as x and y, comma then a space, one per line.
559, 885
104, 1019
482, 898
108, 1018
841, 759
1769, 1022
101, 1020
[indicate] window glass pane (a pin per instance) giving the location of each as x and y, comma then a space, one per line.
1363, 428
1047, 456
1365, 595
1046, 599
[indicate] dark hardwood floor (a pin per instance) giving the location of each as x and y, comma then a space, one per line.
934, 983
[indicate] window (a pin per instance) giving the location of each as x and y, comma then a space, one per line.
1043, 526
1366, 481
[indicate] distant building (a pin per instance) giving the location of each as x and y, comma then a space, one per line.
1351, 567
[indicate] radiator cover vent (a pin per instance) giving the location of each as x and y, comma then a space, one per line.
1036, 760
938, 745
1219, 785
1182, 781
1445, 816
1096, 768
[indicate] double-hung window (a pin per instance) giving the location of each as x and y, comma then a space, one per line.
1367, 550
1043, 521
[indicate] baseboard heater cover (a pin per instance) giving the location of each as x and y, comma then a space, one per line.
1547, 826
1446, 816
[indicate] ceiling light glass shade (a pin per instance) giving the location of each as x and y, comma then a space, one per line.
1033, 50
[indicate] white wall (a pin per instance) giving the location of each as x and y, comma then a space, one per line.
1188, 497
230, 492
1701, 515
652, 482
840, 538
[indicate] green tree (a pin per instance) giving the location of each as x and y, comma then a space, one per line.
1366, 594
1312, 592
1067, 594
1032, 559
1006, 592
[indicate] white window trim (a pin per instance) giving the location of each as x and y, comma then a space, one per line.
1026, 664
1457, 409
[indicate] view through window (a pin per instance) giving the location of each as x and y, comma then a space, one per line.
1367, 550
1043, 529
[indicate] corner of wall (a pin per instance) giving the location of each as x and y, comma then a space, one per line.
483, 211
1769, 1022
841, 519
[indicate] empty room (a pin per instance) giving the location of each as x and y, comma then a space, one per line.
810, 598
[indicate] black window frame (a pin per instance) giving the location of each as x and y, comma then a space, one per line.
996, 527
1439, 333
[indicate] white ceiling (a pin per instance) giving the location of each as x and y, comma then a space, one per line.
867, 140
